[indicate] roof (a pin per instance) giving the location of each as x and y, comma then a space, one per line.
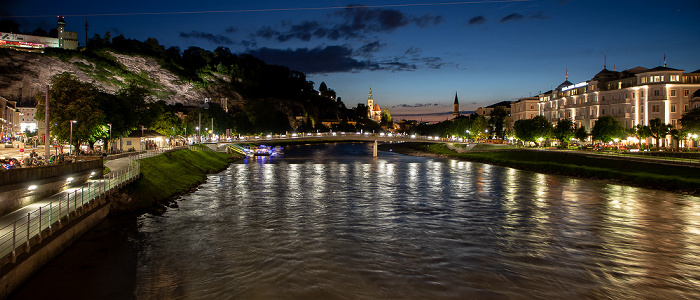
660, 68
565, 83
696, 71
146, 134
376, 108
696, 94
501, 104
637, 69
456, 101
605, 75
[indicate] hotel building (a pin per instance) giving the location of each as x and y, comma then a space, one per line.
633, 97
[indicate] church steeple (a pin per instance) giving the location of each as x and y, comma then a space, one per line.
456, 107
370, 101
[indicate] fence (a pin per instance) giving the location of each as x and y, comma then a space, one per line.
25, 231
669, 157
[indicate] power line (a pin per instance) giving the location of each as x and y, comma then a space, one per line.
272, 9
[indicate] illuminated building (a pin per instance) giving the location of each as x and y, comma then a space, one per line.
374, 112
524, 108
22, 42
632, 96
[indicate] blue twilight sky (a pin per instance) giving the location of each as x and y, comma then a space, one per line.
414, 54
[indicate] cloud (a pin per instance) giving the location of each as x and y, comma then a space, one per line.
369, 49
213, 38
353, 22
415, 105
231, 29
330, 59
512, 17
477, 20
540, 15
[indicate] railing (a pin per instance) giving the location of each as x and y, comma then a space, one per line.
25, 231
651, 156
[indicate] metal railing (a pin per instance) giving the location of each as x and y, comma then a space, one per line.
31, 229
650, 156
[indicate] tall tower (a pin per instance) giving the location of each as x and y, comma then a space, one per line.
86, 32
61, 28
456, 105
370, 103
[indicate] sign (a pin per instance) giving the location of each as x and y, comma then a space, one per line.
574, 86
21, 149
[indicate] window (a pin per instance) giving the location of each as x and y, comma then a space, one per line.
675, 78
642, 94
673, 108
685, 108
128, 143
603, 98
673, 93
657, 92
655, 108
602, 111
686, 92
673, 123
641, 109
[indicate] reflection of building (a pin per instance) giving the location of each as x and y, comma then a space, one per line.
525, 108
64, 40
374, 112
633, 97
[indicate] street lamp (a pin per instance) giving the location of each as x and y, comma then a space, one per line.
110, 135
199, 135
141, 143
467, 135
70, 143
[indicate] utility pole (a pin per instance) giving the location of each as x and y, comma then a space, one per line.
199, 131
47, 131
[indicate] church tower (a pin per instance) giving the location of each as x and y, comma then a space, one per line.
61, 28
370, 104
456, 105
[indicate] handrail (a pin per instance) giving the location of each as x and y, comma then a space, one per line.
27, 230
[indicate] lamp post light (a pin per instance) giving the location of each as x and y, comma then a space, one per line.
110, 135
173, 137
141, 143
70, 142
467, 135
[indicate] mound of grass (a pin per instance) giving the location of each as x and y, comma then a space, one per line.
172, 173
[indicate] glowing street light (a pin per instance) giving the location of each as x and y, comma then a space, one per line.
70, 142
110, 135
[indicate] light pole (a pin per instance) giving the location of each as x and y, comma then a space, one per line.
110, 135
467, 136
173, 137
70, 142
141, 143
199, 135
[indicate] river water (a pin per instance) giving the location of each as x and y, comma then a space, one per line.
332, 222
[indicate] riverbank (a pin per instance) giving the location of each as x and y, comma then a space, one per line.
679, 179
166, 176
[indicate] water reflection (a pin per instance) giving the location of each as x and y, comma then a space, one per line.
331, 222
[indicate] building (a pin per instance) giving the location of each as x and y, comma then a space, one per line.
140, 140
9, 119
456, 107
22, 42
633, 97
374, 112
505, 105
27, 119
524, 108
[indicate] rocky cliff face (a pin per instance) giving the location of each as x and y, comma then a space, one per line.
24, 75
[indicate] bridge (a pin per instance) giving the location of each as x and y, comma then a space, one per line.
335, 136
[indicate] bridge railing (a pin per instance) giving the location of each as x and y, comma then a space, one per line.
29, 230
338, 134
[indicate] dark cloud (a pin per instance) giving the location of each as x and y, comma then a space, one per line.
477, 20
330, 59
512, 17
231, 29
412, 51
353, 22
415, 105
369, 49
213, 38
540, 15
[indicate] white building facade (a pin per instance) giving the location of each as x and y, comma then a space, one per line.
633, 97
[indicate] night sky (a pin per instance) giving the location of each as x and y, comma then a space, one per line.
414, 54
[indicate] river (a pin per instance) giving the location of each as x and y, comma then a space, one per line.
332, 222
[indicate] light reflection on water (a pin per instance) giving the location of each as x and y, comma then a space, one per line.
331, 222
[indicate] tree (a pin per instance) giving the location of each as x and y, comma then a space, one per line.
642, 132
658, 130
675, 136
691, 121
536, 129
607, 128
386, 117
497, 121
564, 131
71, 99
581, 134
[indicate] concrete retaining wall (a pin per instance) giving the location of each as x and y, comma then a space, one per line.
14, 274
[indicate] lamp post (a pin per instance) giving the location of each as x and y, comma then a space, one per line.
173, 137
141, 143
467, 136
199, 135
110, 135
70, 142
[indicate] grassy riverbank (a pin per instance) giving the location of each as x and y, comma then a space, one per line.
645, 174
170, 174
